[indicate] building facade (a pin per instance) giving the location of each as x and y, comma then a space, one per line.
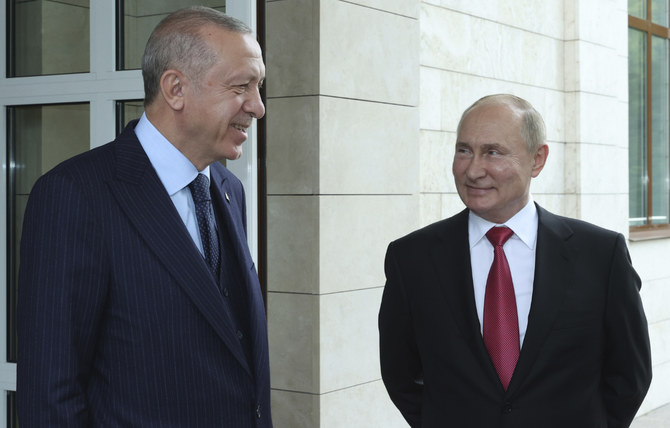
363, 100
364, 97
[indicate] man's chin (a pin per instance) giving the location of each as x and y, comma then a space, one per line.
480, 209
476, 202
233, 152
236, 156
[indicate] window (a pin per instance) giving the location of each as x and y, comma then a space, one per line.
70, 83
649, 109
47, 37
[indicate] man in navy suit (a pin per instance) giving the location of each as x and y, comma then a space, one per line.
132, 312
566, 346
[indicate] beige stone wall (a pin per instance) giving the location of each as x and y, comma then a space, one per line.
473, 48
650, 261
343, 150
364, 99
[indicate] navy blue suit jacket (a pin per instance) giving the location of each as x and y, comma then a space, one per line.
120, 323
585, 361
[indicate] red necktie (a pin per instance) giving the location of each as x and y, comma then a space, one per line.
501, 323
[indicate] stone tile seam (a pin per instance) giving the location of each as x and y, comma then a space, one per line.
377, 287
380, 10
525, 30
328, 392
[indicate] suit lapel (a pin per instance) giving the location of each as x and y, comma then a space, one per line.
455, 275
143, 198
553, 272
224, 197
221, 196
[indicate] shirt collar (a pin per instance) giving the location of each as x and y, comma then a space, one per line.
173, 168
523, 224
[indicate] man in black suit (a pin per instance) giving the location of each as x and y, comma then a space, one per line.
546, 330
139, 304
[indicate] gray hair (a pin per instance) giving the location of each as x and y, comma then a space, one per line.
176, 42
533, 130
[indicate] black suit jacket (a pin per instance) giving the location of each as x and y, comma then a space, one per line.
120, 323
585, 360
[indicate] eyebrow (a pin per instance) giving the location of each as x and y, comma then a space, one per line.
484, 147
489, 146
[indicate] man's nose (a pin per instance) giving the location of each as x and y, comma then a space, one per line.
476, 168
254, 104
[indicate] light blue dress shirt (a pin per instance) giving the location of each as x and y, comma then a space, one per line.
175, 172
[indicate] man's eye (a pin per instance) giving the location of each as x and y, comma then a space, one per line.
247, 86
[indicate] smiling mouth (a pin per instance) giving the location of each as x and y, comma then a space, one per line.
240, 127
478, 190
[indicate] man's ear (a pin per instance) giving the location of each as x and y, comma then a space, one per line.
540, 159
172, 87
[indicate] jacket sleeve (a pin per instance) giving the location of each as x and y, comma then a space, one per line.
627, 356
61, 294
399, 356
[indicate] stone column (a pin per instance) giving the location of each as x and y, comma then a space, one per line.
343, 139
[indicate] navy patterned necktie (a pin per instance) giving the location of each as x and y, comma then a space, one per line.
501, 323
205, 214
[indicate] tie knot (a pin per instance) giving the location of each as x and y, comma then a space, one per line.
499, 235
200, 188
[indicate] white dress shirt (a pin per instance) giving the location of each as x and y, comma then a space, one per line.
175, 172
520, 253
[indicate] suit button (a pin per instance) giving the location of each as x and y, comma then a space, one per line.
240, 335
226, 292
507, 408
258, 411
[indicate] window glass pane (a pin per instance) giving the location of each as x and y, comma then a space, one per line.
660, 136
660, 12
638, 8
139, 19
126, 111
637, 116
47, 37
39, 138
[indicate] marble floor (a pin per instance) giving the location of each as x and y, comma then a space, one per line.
659, 418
